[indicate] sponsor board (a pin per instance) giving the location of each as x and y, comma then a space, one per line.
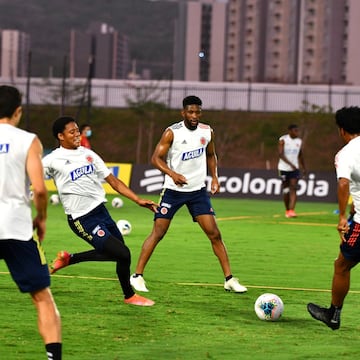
245, 183
119, 170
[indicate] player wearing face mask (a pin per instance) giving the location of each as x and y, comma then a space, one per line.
85, 132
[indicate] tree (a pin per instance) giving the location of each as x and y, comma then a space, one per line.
146, 104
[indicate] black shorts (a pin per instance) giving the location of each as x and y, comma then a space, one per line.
287, 175
350, 248
197, 202
27, 264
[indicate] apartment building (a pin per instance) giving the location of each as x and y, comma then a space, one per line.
281, 41
14, 53
287, 41
200, 41
100, 52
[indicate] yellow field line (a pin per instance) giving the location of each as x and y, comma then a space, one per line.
284, 221
199, 284
268, 287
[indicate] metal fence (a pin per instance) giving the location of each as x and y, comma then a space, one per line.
218, 96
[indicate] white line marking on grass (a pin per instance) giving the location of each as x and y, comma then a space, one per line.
268, 287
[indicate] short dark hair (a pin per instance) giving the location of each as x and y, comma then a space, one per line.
10, 100
60, 124
348, 118
292, 126
83, 126
191, 100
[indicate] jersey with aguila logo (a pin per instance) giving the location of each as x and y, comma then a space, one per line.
78, 175
15, 219
187, 156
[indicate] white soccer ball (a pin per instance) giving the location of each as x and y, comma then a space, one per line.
54, 199
269, 307
117, 202
124, 226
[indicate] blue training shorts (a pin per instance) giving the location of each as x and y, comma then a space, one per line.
27, 264
197, 202
95, 227
351, 247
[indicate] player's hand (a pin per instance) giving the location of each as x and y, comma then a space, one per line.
151, 205
343, 227
179, 179
215, 187
39, 225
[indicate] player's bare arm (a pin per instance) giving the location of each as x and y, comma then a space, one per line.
212, 164
123, 189
302, 161
35, 172
159, 156
343, 198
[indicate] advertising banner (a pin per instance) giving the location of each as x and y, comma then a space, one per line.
245, 183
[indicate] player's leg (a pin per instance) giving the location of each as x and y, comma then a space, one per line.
49, 322
341, 280
340, 287
209, 226
90, 228
27, 264
101, 232
116, 250
170, 202
293, 182
348, 257
202, 212
159, 230
285, 189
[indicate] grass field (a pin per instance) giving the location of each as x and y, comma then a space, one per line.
194, 318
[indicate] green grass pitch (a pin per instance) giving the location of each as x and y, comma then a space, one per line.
194, 318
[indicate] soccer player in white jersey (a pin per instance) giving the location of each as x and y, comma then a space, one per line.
347, 165
185, 152
291, 162
20, 165
78, 172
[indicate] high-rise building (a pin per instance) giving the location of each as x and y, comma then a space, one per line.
287, 41
100, 52
200, 41
14, 53
283, 41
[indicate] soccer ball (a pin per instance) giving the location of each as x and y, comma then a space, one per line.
117, 202
54, 199
269, 307
124, 226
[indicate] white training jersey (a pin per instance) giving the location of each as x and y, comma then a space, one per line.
292, 149
347, 165
187, 156
78, 175
15, 209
